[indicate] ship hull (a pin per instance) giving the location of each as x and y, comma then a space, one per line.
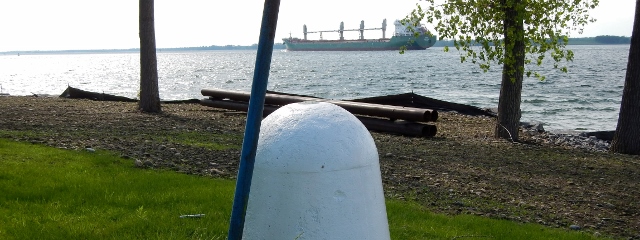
394, 43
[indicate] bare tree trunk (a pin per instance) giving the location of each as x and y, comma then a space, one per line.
627, 137
149, 93
509, 113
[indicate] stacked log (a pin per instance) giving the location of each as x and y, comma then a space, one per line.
376, 117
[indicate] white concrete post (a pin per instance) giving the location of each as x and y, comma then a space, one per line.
316, 176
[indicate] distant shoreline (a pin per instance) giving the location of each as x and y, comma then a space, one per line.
598, 40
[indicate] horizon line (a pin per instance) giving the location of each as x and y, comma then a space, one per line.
185, 48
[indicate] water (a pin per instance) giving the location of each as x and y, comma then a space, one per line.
585, 99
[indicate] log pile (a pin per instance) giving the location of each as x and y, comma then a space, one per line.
407, 121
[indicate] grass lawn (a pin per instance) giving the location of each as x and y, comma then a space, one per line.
48, 193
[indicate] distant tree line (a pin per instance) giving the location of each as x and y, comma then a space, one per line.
606, 39
225, 47
613, 39
598, 40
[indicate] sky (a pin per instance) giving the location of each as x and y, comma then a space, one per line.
28, 25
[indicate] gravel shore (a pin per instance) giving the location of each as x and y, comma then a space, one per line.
462, 170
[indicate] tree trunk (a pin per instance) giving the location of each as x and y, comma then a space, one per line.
627, 137
509, 114
149, 93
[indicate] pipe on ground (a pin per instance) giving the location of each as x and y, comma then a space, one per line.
374, 124
370, 109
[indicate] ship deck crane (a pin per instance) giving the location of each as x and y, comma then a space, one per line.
342, 30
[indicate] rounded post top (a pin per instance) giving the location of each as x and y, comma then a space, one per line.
314, 137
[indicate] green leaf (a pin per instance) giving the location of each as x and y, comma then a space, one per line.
477, 28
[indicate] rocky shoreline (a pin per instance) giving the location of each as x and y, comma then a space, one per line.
563, 181
589, 141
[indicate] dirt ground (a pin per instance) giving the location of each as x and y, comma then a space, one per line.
462, 170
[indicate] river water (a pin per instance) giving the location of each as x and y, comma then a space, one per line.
587, 98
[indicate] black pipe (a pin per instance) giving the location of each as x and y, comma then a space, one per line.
235, 105
370, 109
374, 124
404, 128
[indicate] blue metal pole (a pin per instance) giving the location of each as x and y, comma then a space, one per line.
254, 117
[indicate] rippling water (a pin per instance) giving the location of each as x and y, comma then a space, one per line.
586, 98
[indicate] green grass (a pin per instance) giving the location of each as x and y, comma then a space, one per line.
59, 194
49, 193
208, 141
411, 221
21, 134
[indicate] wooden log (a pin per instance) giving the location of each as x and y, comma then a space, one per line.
378, 110
76, 93
374, 124
72, 92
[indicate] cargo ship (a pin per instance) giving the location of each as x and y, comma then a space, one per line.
402, 36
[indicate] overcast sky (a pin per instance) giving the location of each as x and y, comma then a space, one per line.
113, 24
